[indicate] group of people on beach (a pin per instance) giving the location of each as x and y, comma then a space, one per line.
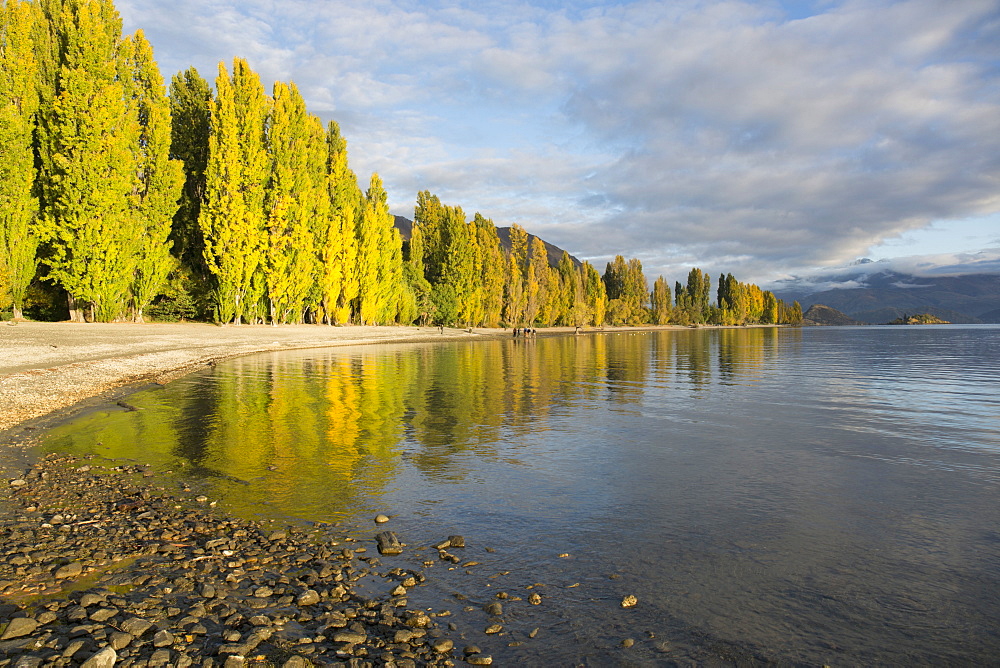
525, 332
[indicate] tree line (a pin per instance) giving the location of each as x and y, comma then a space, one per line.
237, 205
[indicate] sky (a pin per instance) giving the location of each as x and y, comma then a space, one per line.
766, 138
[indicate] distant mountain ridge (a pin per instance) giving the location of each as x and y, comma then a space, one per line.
405, 227
881, 297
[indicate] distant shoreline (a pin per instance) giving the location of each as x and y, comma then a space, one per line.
51, 366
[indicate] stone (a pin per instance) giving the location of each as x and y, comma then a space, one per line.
409, 635
163, 638
105, 658
494, 609
381, 519
296, 662
352, 637
388, 543
479, 660
456, 541
19, 627
120, 640
308, 597
161, 657
535, 599
102, 615
493, 629
442, 645
629, 601
90, 599
70, 570
628, 642
136, 626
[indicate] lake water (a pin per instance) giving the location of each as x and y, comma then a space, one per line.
790, 496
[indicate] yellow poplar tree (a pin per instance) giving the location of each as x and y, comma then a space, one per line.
159, 178
18, 103
87, 146
380, 259
232, 217
338, 245
289, 266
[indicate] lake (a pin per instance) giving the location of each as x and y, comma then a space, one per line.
792, 496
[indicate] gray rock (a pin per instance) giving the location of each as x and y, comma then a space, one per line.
442, 645
479, 660
136, 626
308, 597
102, 615
29, 661
70, 570
163, 638
495, 609
161, 657
296, 662
352, 637
120, 640
19, 627
103, 659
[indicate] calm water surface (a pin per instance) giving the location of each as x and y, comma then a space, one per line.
814, 496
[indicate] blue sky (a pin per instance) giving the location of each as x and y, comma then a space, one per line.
767, 138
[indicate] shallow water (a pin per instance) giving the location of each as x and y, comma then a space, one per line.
800, 496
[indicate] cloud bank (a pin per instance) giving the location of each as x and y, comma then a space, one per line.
726, 134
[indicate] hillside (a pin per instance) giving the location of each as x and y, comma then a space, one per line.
405, 227
820, 315
884, 296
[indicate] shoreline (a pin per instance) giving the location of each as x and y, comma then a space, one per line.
47, 368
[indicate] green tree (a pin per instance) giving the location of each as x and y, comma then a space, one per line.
516, 289
232, 219
338, 245
595, 294
660, 300
380, 259
537, 283
19, 207
160, 179
492, 271
89, 163
293, 191
190, 114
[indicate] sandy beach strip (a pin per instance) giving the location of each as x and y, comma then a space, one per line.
49, 366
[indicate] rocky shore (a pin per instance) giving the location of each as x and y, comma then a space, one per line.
100, 567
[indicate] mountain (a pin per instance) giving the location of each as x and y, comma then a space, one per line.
821, 315
864, 293
405, 227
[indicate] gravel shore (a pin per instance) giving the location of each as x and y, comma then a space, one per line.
100, 567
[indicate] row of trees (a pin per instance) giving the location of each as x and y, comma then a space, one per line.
240, 206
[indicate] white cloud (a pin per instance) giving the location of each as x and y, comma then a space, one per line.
709, 133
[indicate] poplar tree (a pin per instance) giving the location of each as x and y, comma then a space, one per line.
380, 260
89, 164
660, 302
492, 271
516, 292
159, 178
537, 285
595, 294
338, 246
289, 263
19, 206
190, 114
232, 218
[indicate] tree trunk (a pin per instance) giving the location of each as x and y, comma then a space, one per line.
75, 315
